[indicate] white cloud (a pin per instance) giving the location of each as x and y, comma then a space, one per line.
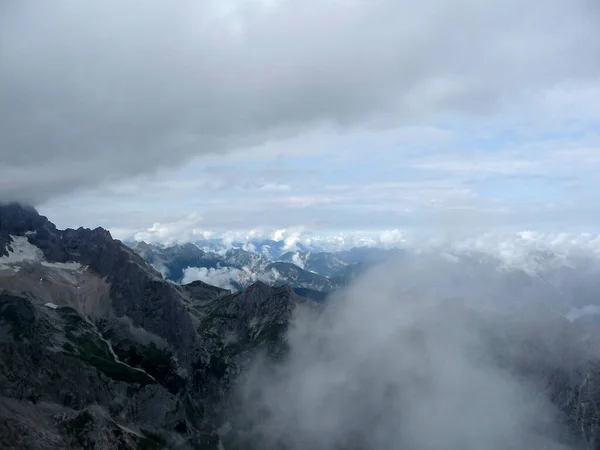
185, 230
523, 249
223, 277
530, 250
527, 177
277, 235
392, 238
419, 364
228, 277
273, 187
291, 239
297, 260
201, 78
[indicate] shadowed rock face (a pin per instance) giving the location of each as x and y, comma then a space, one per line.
105, 353
17, 219
136, 290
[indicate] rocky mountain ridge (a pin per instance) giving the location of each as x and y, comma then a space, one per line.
97, 350
238, 268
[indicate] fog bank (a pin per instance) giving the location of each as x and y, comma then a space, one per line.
425, 353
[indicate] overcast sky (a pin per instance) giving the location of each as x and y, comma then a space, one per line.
321, 115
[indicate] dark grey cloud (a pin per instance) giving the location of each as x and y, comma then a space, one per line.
101, 90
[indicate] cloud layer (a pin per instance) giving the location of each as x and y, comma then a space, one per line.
98, 91
227, 277
426, 353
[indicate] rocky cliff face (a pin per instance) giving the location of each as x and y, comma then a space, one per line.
98, 351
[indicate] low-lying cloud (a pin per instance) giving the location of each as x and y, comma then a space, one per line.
228, 277
96, 91
427, 353
223, 277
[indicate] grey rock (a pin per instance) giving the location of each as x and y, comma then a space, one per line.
139, 369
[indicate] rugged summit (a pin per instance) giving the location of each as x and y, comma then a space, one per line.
97, 350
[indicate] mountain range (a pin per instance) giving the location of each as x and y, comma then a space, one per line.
237, 268
99, 350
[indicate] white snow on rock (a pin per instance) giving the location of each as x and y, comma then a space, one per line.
64, 266
51, 305
24, 252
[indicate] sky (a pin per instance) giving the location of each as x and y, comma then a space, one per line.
168, 121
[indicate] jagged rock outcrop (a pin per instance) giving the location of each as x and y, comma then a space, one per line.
101, 352
258, 315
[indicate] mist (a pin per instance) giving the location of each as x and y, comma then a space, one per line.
227, 277
429, 352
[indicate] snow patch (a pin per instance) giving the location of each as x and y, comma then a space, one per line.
73, 266
22, 251
51, 305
